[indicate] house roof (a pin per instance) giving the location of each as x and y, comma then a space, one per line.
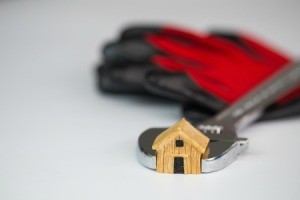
187, 131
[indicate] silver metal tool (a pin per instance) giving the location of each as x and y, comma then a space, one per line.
224, 144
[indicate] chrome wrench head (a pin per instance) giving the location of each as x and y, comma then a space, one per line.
224, 145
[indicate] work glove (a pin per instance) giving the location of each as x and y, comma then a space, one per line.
206, 72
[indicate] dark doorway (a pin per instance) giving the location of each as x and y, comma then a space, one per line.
178, 165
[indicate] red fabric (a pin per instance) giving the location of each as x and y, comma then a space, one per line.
220, 66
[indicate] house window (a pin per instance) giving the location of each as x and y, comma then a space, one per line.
179, 143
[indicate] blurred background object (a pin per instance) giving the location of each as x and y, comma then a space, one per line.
62, 139
204, 71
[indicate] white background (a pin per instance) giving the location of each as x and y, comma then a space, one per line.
62, 139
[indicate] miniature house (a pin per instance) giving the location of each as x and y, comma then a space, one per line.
179, 149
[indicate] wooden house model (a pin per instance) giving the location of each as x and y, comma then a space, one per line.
179, 149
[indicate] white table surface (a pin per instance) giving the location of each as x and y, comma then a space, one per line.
61, 139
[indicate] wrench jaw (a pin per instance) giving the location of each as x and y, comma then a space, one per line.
221, 153
145, 159
145, 154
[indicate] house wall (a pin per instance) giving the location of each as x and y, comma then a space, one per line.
166, 153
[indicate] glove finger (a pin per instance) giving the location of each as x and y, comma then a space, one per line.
255, 49
139, 31
136, 51
179, 87
127, 78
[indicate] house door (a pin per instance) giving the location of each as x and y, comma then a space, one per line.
178, 165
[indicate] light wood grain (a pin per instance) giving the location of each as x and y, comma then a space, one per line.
194, 146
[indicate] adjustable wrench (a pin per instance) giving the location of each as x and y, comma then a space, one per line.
224, 143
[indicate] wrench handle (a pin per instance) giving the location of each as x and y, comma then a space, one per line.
246, 110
